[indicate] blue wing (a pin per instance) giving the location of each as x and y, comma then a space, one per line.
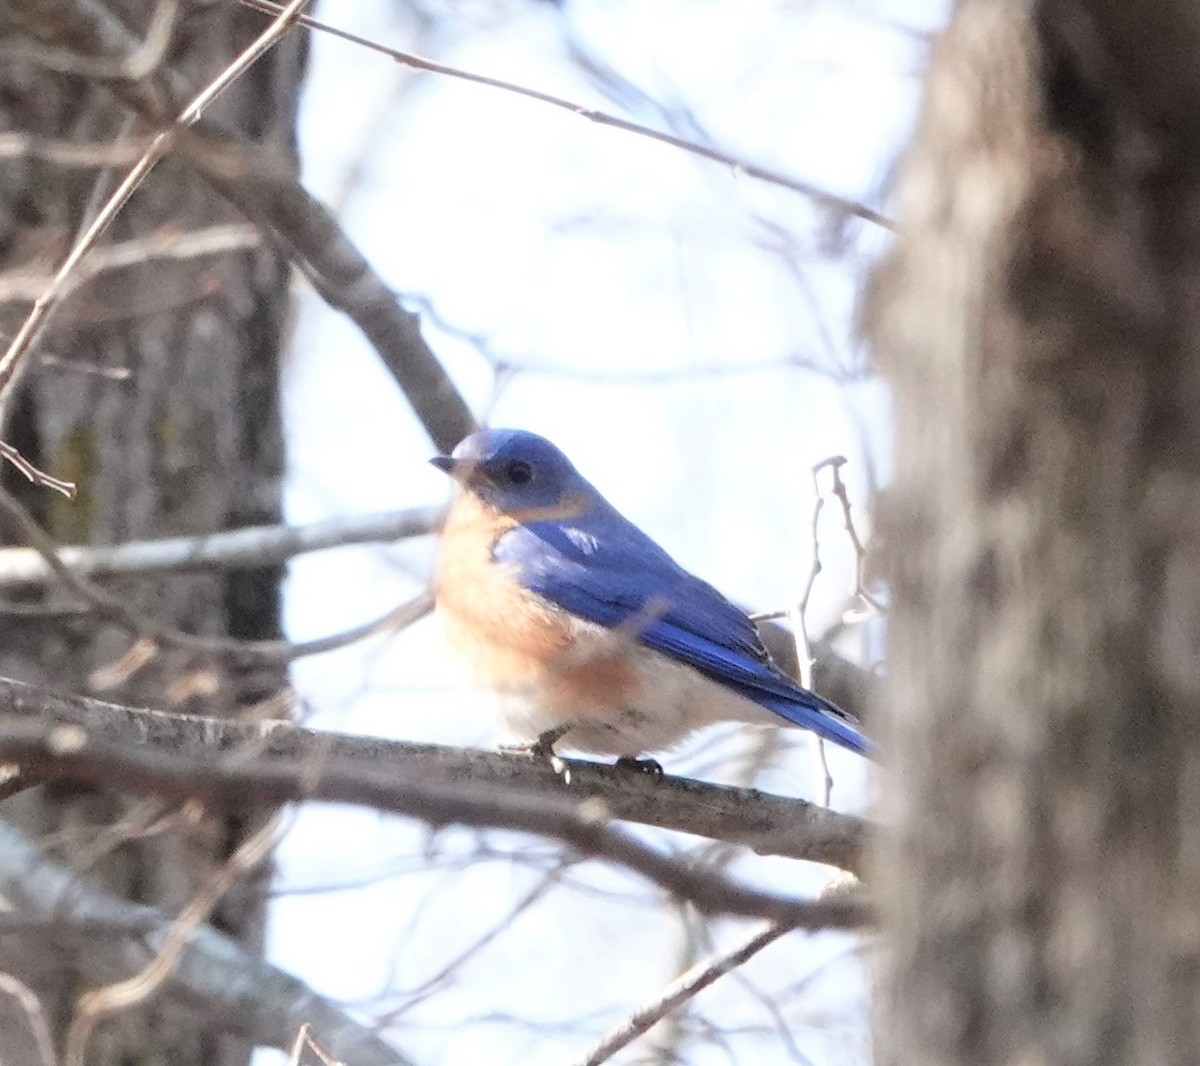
602, 568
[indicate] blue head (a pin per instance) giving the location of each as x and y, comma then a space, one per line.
518, 473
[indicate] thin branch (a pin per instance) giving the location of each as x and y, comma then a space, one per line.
306, 1041
414, 997
799, 618
250, 546
71, 153
860, 552
74, 366
35, 475
679, 992
135, 622
821, 197
303, 763
167, 244
105, 935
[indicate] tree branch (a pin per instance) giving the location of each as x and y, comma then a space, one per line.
836, 205
215, 975
236, 763
250, 546
269, 195
685, 987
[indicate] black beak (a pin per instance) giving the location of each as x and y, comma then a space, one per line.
449, 465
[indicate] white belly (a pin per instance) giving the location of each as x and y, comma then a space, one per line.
664, 702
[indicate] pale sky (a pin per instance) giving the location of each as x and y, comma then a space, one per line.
663, 311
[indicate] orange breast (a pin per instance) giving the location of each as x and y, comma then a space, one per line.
510, 639
503, 634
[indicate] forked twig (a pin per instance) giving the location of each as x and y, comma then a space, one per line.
38, 477
860, 590
305, 1041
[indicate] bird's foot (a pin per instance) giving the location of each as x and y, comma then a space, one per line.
543, 749
640, 766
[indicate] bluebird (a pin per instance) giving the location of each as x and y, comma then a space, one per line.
589, 631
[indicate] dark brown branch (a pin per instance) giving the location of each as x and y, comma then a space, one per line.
277, 761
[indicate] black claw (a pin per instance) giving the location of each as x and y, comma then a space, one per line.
641, 766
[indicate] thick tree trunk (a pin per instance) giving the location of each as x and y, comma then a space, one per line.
189, 443
1039, 318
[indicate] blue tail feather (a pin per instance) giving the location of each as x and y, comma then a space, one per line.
822, 717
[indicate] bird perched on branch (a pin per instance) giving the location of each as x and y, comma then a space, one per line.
587, 629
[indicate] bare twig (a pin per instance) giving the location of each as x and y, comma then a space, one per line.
825, 199
135, 622
679, 992
74, 366
305, 1041
860, 590
38, 477
250, 546
799, 618
430, 985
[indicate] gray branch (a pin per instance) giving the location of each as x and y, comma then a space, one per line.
381, 773
109, 939
248, 547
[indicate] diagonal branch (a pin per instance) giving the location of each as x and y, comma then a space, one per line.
266, 192
831, 202
105, 935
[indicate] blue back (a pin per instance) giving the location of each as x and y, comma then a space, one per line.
601, 567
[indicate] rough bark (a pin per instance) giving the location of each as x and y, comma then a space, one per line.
189, 443
1038, 317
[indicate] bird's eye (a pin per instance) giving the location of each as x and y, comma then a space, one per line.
519, 472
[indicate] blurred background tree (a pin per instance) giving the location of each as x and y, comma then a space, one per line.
157, 391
